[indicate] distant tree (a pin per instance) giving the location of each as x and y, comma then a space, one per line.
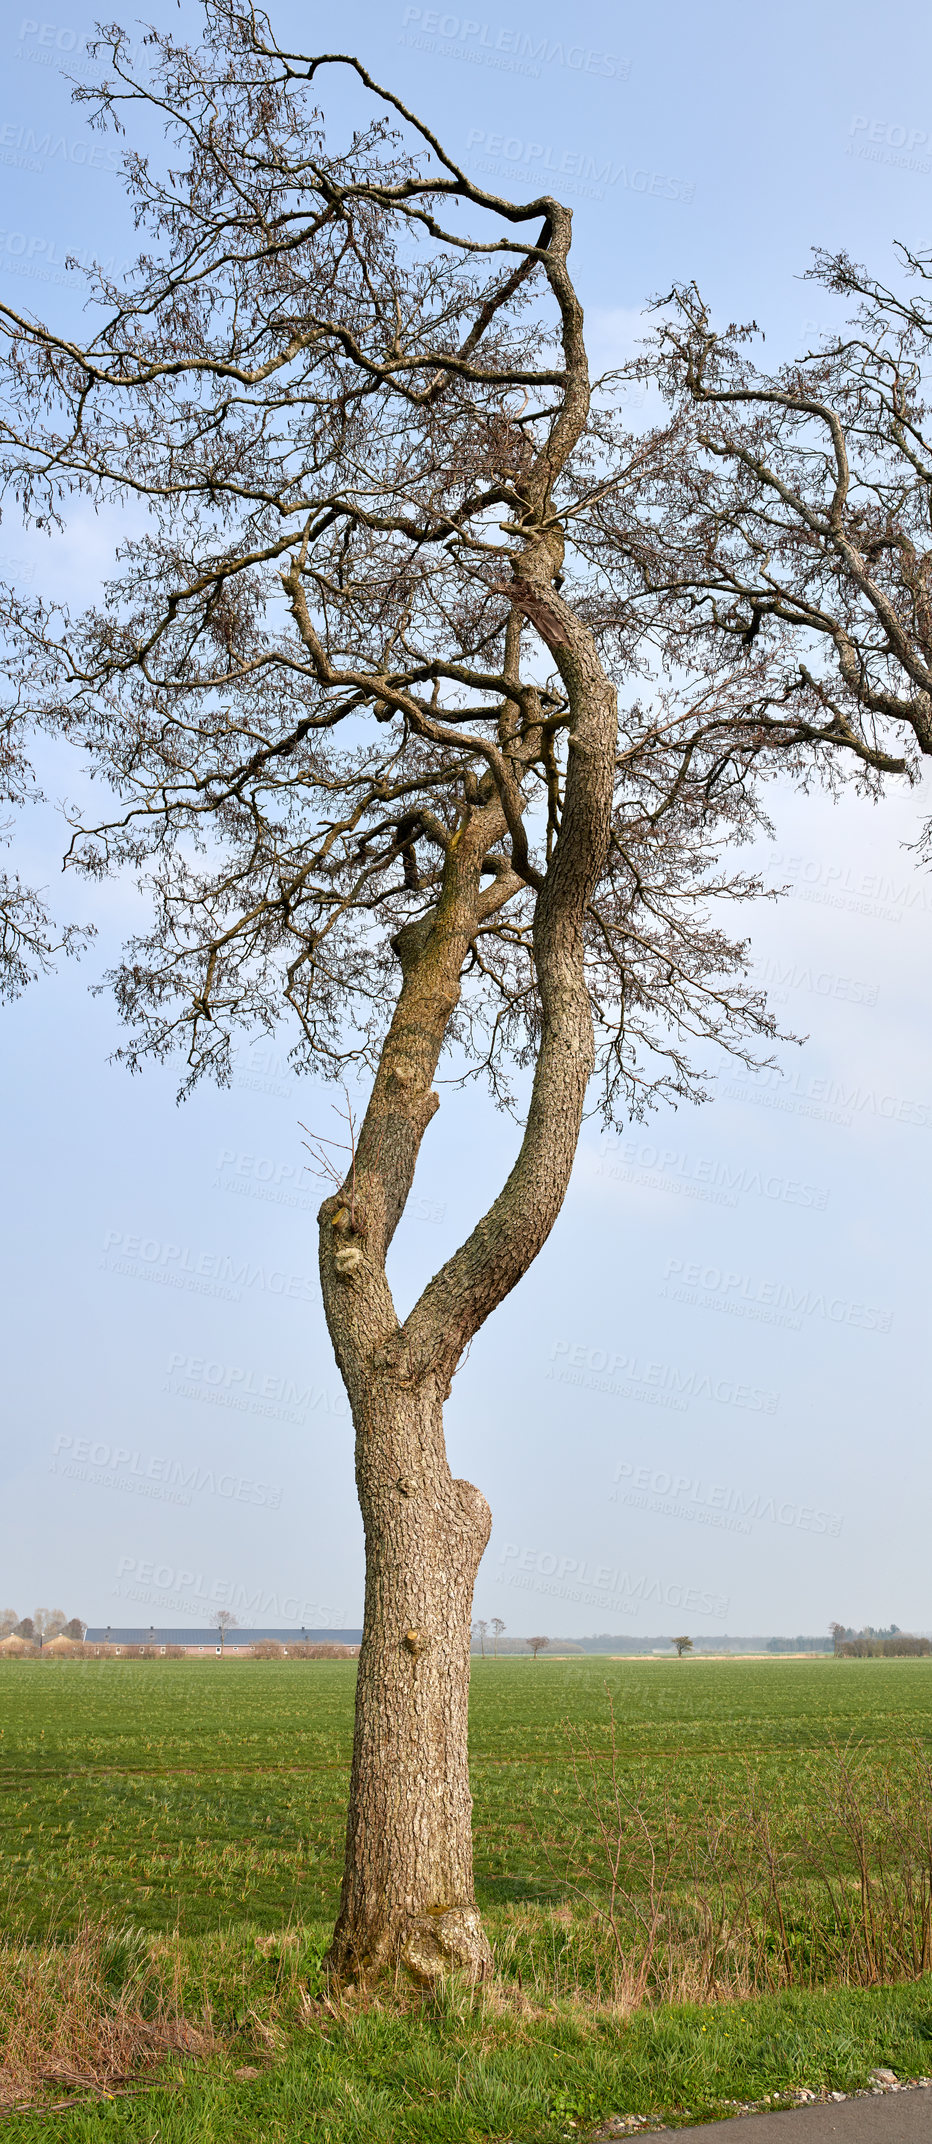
8, 1621
836, 1632
537, 1645
481, 1631
497, 1628
48, 1623
75, 1629
26, 1629
225, 1620
683, 1645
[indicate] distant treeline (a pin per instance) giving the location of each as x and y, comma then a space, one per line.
902, 1647
627, 1643
799, 1645
624, 1642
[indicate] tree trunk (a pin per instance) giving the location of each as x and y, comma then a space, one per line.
408, 1888
407, 1892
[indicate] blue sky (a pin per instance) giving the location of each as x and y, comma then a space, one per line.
706, 1408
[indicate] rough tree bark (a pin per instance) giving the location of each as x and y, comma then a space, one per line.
408, 1889
408, 1881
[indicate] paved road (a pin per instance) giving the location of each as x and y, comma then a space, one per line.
890, 2118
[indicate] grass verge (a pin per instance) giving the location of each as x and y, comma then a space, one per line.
245, 2050
701, 1889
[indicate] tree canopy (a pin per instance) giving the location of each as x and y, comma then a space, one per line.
342, 395
343, 392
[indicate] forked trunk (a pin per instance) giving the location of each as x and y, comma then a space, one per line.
407, 1894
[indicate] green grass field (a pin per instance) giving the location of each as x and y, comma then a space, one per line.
202, 1803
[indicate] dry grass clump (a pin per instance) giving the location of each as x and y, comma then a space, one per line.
88, 2012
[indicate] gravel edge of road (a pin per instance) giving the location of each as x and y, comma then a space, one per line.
618, 2126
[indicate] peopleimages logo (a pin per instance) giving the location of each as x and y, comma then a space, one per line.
20, 567
258, 1176
572, 1577
58, 44
686, 1496
51, 36
885, 141
862, 893
588, 173
829, 1100
265, 1071
170, 1587
786, 975
31, 151
488, 44
655, 1384
42, 258
117, 1466
174, 1265
770, 1302
220, 1384
720, 1183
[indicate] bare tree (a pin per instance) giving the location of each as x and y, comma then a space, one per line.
75, 1629
537, 1645
225, 1620
497, 1629
26, 1629
794, 517
356, 683
683, 1645
48, 1623
481, 1632
8, 1621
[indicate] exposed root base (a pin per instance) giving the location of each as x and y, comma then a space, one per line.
450, 1942
433, 1945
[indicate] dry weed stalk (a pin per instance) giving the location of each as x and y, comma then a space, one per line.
710, 1895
